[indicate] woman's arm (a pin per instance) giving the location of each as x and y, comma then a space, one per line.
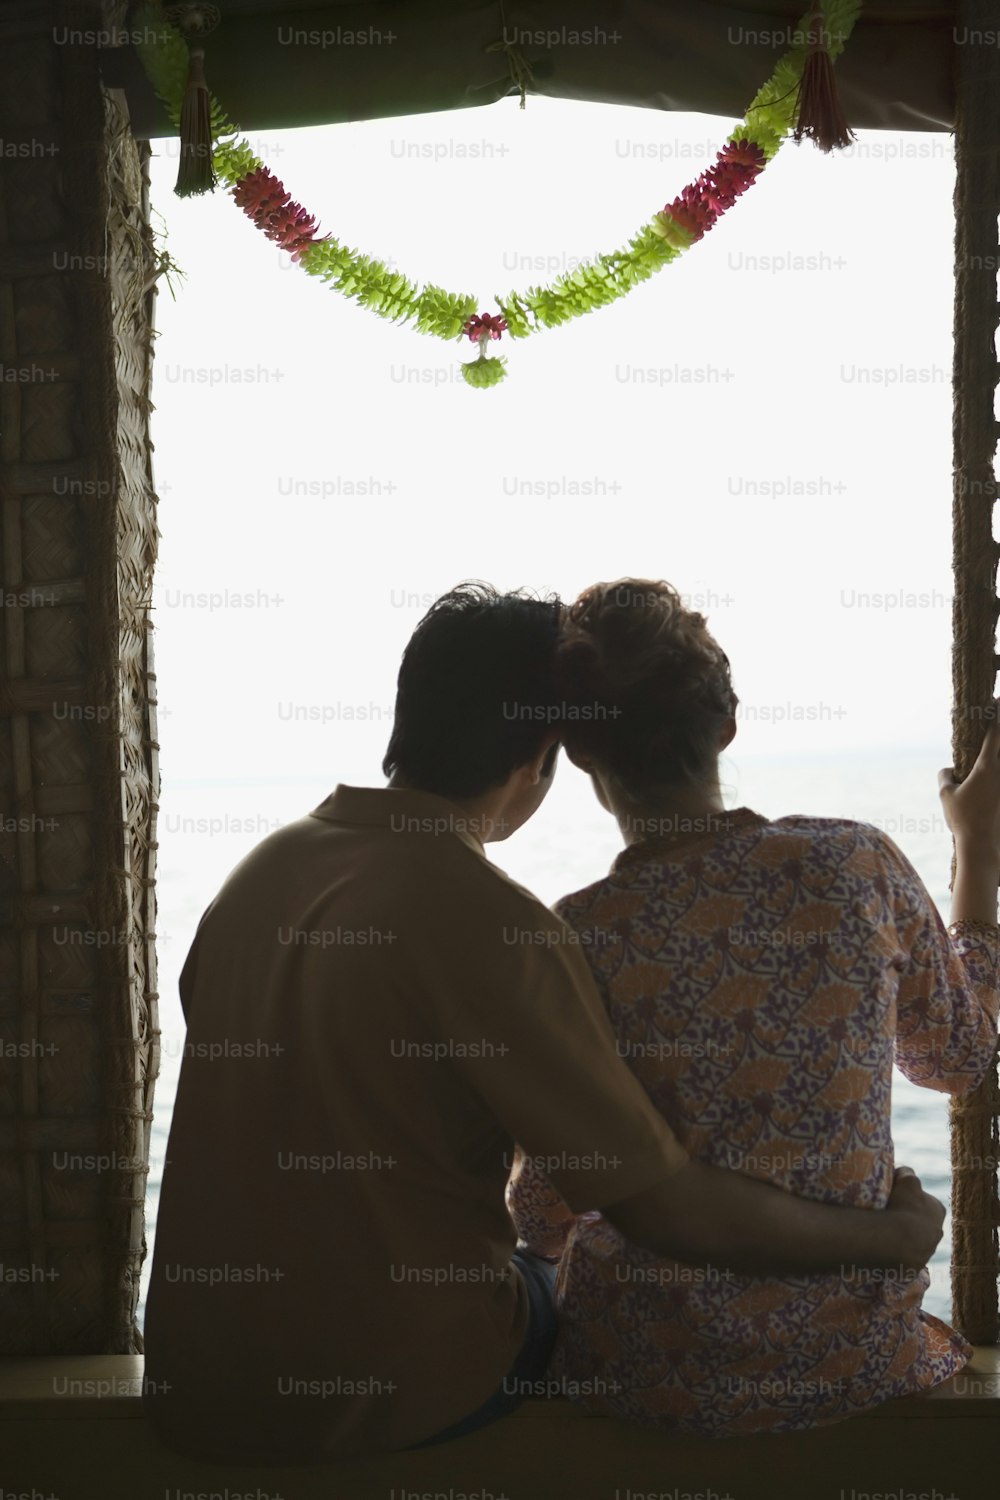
541, 1216
949, 989
949, 993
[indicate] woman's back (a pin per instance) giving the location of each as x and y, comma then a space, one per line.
760, 978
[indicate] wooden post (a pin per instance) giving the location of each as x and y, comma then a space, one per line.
974, 1145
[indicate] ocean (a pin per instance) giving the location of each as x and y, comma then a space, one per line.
205, 828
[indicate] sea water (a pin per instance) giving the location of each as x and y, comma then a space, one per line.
206, 828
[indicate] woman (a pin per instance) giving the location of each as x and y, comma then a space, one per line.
761, 977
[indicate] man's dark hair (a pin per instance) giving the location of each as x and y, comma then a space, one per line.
476, 691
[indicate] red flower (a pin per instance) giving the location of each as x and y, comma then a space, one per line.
735, 168
691, 210
485, 327
264, 199
745, 154
718, 188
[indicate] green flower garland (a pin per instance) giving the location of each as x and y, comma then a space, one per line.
449, 315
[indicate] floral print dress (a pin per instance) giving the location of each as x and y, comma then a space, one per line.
761, 980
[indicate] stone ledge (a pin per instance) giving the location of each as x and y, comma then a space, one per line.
71, 1428
108, 1386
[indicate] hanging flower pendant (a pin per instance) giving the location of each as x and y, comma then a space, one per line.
483, 372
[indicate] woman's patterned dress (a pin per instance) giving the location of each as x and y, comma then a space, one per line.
761, 979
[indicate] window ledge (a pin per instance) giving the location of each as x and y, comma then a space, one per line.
77, 1386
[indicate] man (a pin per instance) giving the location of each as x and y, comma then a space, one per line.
377, 1018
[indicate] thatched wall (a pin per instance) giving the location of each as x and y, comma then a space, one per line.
78, 767
975, 1127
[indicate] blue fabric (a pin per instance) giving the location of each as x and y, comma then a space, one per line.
532, 1361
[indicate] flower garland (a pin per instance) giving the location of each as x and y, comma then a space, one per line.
449, 315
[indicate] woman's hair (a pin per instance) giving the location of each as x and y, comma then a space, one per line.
645, 688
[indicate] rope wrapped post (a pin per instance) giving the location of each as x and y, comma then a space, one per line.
974, 1117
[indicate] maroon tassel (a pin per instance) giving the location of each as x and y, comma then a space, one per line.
195, 172
821, 118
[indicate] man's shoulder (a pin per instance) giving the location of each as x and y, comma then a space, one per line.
485, 881
435, 883
282, 846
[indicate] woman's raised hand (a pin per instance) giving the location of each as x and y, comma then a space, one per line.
972, 812
972, 807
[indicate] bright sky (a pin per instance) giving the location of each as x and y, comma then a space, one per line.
765, 423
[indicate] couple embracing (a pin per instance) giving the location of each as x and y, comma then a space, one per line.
639, 1153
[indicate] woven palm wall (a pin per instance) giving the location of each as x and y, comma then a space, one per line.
975, 1126
78, 766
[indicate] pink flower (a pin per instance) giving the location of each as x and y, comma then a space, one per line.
736, 167
265, 200
485, 327
702, 201
692, 211
745, 154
